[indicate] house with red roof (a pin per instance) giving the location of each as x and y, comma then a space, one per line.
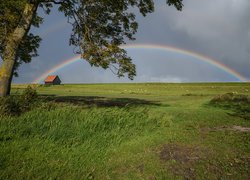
52, 80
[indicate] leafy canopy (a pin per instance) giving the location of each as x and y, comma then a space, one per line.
98, 29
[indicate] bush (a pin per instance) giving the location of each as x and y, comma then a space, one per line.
10, 106
29, 94
28, 98
15, 105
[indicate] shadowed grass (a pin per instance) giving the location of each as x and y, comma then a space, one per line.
98, 101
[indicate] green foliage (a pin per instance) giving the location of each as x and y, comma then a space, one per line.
29, 94
10, 15
28, 97
105, 26
27, 50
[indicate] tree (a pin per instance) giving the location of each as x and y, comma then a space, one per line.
99, 27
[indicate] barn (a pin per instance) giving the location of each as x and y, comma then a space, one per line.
52, 80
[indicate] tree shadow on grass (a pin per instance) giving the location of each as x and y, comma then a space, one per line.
98, 101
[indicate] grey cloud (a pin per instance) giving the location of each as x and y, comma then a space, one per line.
219, 29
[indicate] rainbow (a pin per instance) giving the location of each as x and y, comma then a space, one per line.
195, 55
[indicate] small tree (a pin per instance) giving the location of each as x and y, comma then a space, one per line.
99, 27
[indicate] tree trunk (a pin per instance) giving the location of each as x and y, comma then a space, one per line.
12, 44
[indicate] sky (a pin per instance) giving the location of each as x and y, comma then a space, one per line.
219, 30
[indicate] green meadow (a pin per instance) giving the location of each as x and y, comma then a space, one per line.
129, 131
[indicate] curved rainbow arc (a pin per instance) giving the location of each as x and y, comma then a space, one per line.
198, 56
56, 68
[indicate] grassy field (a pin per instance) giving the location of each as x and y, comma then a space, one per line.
129, 131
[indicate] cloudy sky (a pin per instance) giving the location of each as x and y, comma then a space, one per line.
217, 29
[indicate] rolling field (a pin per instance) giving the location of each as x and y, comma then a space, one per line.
129, 131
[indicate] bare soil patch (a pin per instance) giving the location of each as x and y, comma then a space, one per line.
182, 159
225, 128
241, 129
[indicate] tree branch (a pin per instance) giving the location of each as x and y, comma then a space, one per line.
48, 1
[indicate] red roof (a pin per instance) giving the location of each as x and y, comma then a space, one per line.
50, 79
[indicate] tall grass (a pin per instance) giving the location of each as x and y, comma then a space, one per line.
68, 138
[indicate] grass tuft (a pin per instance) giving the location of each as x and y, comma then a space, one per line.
239, 103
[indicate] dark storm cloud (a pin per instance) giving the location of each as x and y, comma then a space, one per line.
220, 30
